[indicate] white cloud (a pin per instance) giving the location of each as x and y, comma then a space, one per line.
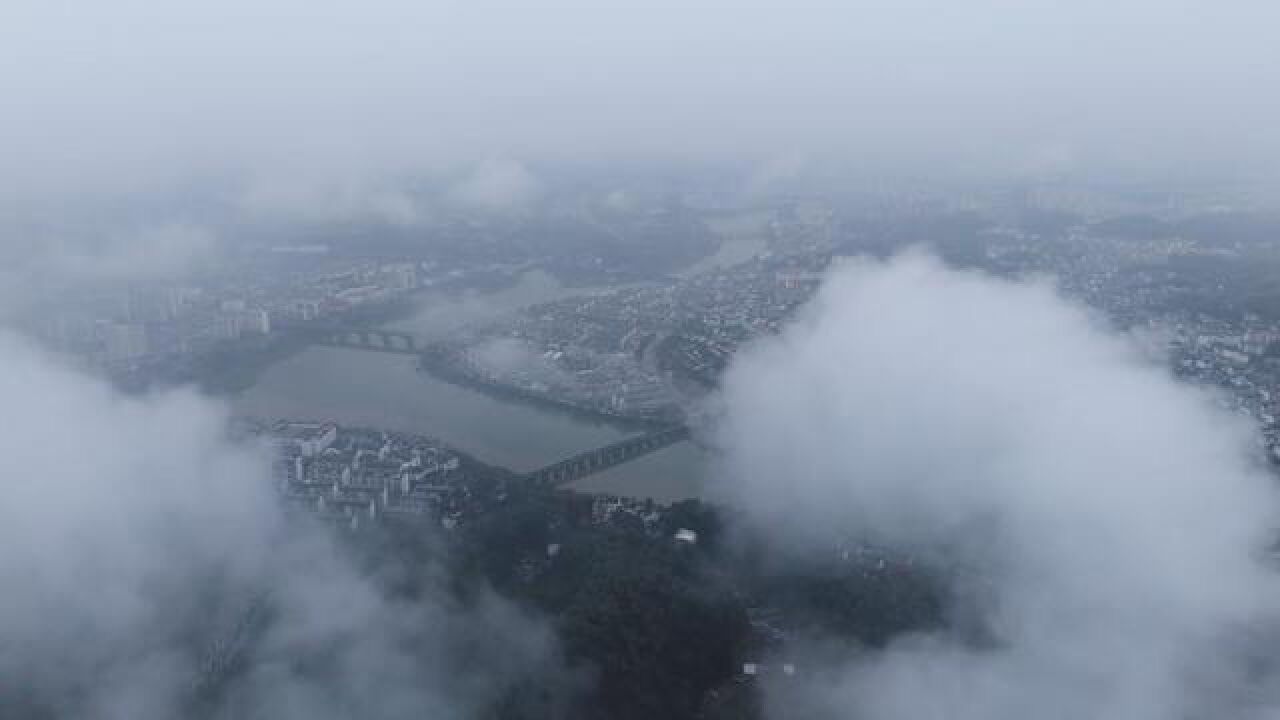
497, 184
1116, 515
319, 200
134, 534
163, 250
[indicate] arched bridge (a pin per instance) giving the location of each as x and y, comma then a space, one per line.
369, 339
593, 461
560, 473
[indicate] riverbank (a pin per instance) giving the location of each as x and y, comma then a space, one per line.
499, 427
472, 465
237, 366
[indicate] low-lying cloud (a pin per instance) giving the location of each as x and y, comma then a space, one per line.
496, 185
48, 263
505, 356
318, 200
135, 537
160, 251
1112, 520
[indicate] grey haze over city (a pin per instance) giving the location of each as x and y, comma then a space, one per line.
123, 95
620, 360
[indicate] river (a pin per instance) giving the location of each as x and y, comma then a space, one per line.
360, 388
742, 237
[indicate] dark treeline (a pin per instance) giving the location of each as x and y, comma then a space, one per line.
650, 626
645, 625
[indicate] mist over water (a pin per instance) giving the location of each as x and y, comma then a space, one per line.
436, 313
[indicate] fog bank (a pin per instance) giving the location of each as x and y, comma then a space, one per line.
149, 573
1103, 522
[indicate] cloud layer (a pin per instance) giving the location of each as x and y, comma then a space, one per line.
1105, 522
136, 538
400, 113
122, 92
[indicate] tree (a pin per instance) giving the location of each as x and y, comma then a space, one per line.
658, 633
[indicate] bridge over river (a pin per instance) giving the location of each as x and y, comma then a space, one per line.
360, 338
600, 459
565, 471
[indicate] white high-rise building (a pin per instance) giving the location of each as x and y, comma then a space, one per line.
400, 276
255, 322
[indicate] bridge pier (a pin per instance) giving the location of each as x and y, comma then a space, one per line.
370, 339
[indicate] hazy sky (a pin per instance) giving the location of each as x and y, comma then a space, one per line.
127, 91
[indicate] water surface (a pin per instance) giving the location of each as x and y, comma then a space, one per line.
361, 388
